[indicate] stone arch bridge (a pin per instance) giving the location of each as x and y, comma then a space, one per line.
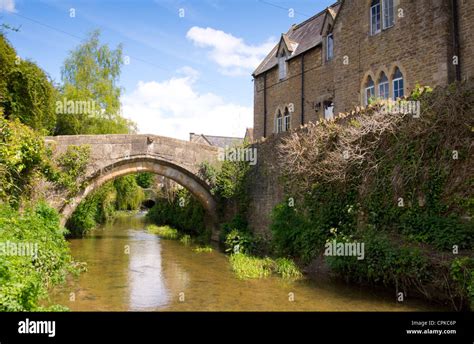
113, 156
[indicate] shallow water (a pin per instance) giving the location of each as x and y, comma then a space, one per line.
132, 270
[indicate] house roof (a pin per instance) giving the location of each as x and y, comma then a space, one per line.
216, 141
299, 38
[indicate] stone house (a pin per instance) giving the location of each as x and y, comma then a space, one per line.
357, 50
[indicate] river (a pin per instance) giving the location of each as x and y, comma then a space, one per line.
130, 269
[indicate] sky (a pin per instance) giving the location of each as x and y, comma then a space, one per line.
188, 63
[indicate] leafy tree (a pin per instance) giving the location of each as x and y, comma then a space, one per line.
90, 74
26, 92
145, 180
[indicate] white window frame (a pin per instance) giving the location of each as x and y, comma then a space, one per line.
396, 88
384, 88
388, 13
329, 48
287, 120
372, 93
279, 122
377, 17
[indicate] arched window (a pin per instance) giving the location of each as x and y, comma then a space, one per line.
286, 120
369, 90
282, 65
398, 84
384, 92
375, 24
279, 122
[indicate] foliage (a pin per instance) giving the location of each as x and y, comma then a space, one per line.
129, 194
72, 166
165, 232
230, 181
182, 211
91, 74
186, 240
462, 272
98, 207
248, 267
394, 181
287, 269
203, 249
237, 242
25, 279
22, 154
145, 179
384, 262
26, 92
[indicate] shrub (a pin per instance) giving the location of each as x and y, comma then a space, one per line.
182, 212
22, 156
247, 267
287, 269
129, 194
203, 249
165, 232
145, 179
25, 280
186, 240
97, 208
462, 272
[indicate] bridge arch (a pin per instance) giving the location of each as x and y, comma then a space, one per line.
145, 163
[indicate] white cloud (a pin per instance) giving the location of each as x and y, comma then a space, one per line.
232, 54
7, 6
174, 108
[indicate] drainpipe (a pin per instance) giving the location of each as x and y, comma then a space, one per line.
265, 104
456, 44
302, 89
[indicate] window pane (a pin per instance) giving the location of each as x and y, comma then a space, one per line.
388, 13
383, 90
369, 93
330, 47
375, 18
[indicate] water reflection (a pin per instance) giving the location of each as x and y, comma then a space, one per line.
130, 269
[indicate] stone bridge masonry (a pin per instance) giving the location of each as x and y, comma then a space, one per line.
113, 156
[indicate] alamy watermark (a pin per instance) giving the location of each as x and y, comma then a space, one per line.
75, 107
401, 107
10, 248
345, 249
247, 154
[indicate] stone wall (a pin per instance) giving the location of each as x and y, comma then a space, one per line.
466, 28
265, 189
420, 44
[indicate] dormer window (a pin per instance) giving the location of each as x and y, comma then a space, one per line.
282, 67
329, 47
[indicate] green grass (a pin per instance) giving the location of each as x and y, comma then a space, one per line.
287, 269
165, 232
186, 240
247, 267
203, 249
